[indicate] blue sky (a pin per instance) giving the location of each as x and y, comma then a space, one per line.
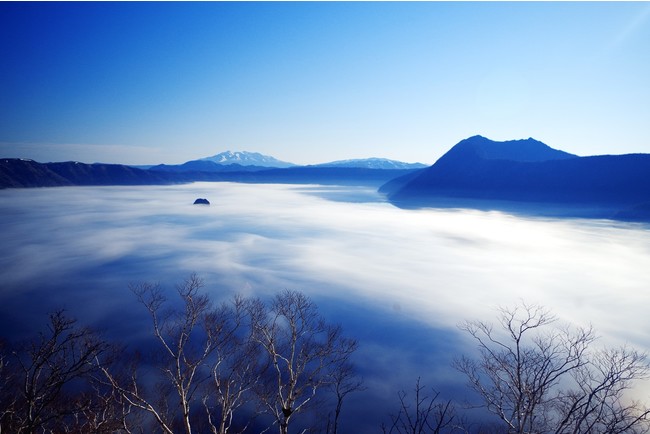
140, 83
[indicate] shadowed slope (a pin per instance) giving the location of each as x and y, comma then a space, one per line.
526, 171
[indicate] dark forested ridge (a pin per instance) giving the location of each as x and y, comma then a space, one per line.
19, 173
528, 171
16, 173
475, 173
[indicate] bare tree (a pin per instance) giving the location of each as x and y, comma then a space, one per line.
207, 359
598, 403
7, 395
235, 368
538, 378
185, 349
422, 414
49, 375
103, 411
344, 380
302, 351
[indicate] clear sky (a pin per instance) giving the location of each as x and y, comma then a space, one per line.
144, 83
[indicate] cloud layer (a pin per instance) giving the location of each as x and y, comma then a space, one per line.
398, 280
438, 266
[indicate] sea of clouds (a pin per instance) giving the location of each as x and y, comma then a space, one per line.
398, 280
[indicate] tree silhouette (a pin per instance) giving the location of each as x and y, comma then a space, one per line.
44, 379
538, 378
303, 352
422, 414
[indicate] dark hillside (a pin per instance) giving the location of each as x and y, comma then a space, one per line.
204, 166
28, 173
479, 147
105, 174
526, 171
16, 173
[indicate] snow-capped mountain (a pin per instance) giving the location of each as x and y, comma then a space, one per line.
244, 158
373, 163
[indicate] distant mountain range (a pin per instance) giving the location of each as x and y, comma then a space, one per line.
16, 173
243, 158
373, 163
21, 173
525, 172
477, 172
254, 161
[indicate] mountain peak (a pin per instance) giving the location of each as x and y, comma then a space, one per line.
524, 150
245, 158
373, 163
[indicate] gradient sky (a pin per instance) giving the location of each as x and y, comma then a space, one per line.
144, 83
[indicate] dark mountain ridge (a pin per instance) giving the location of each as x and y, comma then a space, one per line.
16, 172
526, 150
472, 155
205, 166
477, 172
19, 173
294, 175
526, 171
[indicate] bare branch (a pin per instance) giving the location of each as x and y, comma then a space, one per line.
302, 352
423, 414
537, 377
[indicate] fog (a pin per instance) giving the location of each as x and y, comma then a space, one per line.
398, 280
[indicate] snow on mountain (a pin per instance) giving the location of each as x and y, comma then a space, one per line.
247, 159
373, 163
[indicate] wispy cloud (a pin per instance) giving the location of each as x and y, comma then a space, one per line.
398, 280
439, 266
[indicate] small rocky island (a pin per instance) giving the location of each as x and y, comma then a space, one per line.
201, 201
